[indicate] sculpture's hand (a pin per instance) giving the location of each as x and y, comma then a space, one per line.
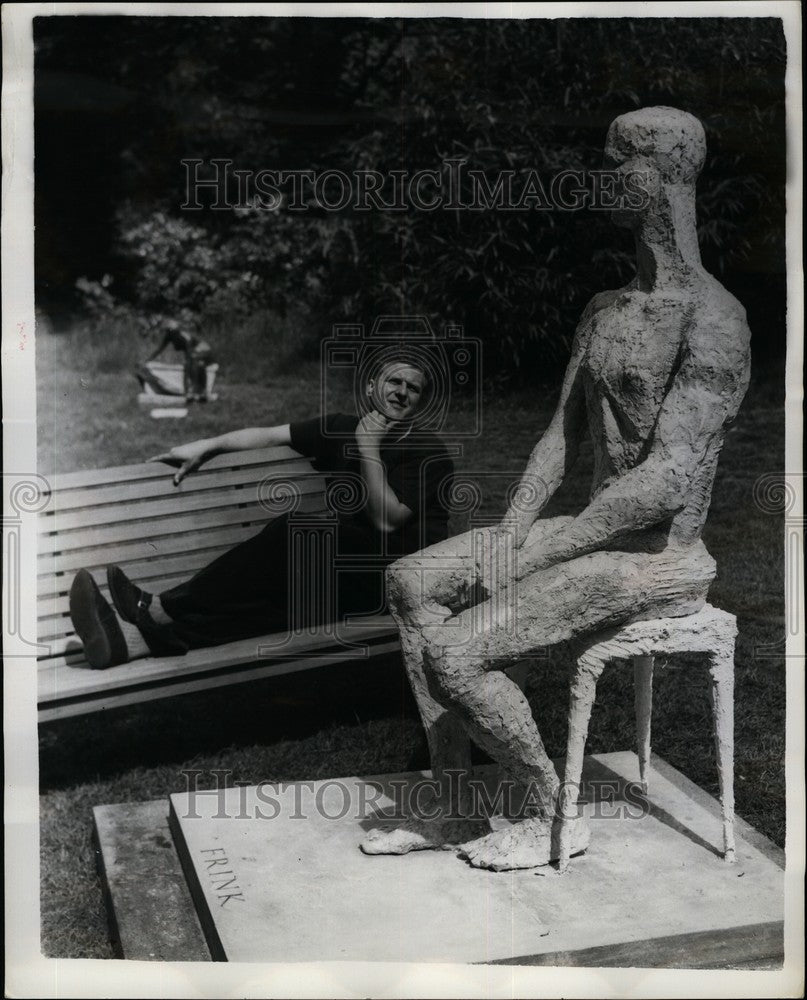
521, 548
515, 526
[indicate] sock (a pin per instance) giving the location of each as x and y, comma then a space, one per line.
135, 642
158, 612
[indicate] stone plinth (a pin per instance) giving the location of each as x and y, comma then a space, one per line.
150, 911
277, 875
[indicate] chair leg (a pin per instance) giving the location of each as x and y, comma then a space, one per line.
583, 691
721, 668
643, 704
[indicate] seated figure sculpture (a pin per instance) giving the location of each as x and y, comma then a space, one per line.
658, 370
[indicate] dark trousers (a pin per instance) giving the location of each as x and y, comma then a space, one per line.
282, 579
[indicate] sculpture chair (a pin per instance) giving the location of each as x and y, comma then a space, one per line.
710, 631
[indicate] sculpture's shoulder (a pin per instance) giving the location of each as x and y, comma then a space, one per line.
718, 302
718, 341
600, 301
597, 304
719, 326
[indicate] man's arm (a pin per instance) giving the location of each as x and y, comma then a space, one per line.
704, 397
384, 508
190, 456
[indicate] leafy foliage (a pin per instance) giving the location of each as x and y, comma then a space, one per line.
402, 95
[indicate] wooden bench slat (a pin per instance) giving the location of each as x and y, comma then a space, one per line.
120, 495
124, 552
63, 645
94, 536
97, 536
149, 574
64, 660
142, 559
186, 684
167, 507
57, 621
57, 681
53, 626
57, 632
63, 481
174, 572
54, 569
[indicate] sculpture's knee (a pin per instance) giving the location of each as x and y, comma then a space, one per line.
404, 586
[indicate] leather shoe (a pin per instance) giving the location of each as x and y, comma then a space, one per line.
129, 600
132, 604
95, 624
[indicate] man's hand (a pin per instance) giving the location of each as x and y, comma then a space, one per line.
370, 432
187, 456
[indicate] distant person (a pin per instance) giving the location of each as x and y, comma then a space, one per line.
198, 355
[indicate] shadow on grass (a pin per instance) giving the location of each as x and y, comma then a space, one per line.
204, 724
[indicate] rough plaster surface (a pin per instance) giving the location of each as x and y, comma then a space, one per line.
709, 631
658, 370
307, 894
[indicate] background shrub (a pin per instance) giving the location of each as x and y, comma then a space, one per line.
391, 94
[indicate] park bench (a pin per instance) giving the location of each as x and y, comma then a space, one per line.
160, 534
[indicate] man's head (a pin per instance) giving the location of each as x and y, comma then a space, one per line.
664, 146
398, 388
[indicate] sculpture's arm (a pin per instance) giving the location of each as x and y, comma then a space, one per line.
703, 398
557, 449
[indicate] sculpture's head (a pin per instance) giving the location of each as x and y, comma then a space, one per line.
663, 148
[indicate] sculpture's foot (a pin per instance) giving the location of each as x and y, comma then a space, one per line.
423, 835
529, 843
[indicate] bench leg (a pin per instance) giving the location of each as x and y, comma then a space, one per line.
643, 704
721, 668
583, 691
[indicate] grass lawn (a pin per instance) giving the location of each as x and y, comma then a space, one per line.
360, 718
